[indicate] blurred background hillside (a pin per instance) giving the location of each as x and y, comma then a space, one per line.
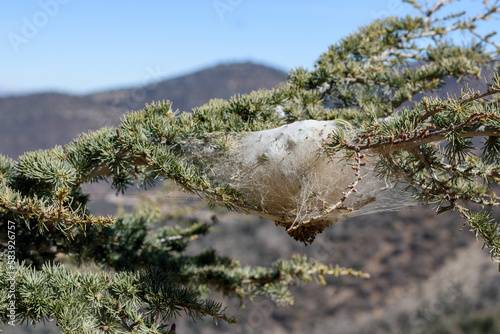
428, 276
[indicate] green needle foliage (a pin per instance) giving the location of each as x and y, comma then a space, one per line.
377, 83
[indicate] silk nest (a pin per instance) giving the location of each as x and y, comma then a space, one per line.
286, 176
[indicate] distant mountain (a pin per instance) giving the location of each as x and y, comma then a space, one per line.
195, 89
34, 121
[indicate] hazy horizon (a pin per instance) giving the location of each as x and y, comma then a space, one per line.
9, 92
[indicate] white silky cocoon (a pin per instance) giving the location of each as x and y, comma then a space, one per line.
286, 174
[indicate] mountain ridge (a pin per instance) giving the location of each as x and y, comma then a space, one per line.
23, 116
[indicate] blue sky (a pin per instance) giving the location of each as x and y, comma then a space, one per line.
78, 46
